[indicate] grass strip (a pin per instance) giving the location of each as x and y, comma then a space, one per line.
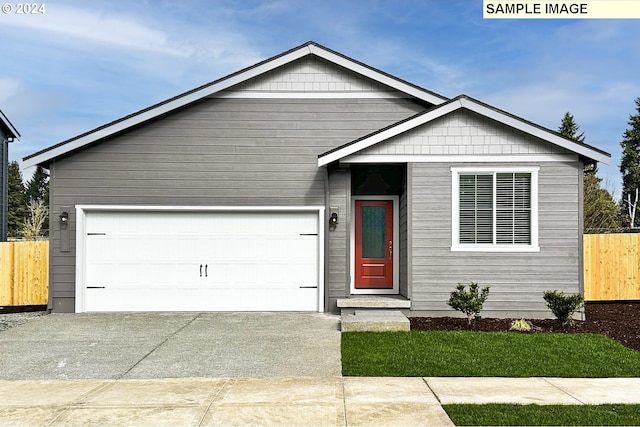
485, 354
543, 415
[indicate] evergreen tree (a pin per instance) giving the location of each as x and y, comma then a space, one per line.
599, 208
38, 185
17, 200
569, 128
630, 169
37, 190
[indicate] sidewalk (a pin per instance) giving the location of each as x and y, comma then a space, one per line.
317, 401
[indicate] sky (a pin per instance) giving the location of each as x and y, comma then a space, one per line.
80, 64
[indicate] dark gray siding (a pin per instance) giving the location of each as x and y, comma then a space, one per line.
216, 152
403, 245
4, 188
339, 239
517, 280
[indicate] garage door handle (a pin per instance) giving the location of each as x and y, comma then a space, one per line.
200, 270
205, 270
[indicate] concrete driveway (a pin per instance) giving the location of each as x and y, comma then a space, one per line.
172, 345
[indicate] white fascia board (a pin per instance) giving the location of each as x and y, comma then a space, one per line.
165, 108
535, 131
388, 133
382, 78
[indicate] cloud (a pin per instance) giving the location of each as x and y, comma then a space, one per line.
9, 88
86, 27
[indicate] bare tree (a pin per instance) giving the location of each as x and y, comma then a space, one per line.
631, 208
37, 215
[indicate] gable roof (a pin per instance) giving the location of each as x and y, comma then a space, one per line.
43, 157
464, 102
8, 127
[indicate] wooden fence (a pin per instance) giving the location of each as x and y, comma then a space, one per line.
611, 267
24, 273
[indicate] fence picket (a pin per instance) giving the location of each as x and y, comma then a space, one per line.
24, 273
611, 267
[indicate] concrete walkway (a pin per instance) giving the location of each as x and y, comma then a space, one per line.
310, 401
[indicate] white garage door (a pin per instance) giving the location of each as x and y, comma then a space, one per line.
201, 261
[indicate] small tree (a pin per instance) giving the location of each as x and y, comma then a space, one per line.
600, 211
469, 302
38, 213
563, 306
37, 188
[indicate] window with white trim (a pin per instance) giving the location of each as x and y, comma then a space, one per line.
495, 209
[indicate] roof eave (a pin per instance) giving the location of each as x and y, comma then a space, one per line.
537, 131
463, 101
11, 130
45, 156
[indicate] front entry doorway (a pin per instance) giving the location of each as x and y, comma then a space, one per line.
375, 245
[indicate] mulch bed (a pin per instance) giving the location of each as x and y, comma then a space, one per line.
619, 320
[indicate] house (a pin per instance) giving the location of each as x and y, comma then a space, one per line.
8, 134
311, 180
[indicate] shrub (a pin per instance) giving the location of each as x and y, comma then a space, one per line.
469, 302
563, 306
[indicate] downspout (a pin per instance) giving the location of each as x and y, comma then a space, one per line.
581, 234
327, 202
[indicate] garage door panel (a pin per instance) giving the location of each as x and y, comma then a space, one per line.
205, 261
229, 300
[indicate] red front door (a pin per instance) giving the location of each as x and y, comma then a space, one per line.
374, 244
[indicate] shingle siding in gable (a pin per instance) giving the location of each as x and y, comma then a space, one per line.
311, 74
217, 152
517, 280
464, 133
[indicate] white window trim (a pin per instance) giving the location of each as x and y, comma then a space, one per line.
456, 246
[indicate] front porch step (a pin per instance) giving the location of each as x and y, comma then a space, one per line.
374, 321
374, 302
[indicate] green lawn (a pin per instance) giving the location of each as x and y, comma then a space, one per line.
535, 415
485, 354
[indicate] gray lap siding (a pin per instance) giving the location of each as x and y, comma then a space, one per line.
218, 152
517, 280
